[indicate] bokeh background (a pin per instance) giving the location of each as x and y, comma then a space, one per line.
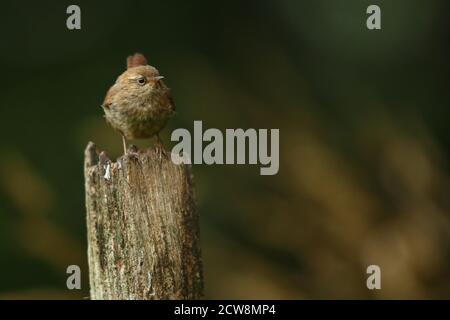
364, 139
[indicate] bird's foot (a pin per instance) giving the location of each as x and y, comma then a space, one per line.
160, 151
132, 149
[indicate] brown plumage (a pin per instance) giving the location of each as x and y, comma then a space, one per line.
136, 60
139, 104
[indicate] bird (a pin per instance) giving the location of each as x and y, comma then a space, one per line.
139, 104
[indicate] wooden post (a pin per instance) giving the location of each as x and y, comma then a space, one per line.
143, 232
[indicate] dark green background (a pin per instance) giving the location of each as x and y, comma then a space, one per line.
364, 139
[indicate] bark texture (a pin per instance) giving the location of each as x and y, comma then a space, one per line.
143, 232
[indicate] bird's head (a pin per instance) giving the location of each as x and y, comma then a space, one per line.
139, 76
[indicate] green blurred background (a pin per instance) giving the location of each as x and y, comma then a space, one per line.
364, 139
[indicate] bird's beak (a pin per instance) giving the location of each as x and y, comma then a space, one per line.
159, 78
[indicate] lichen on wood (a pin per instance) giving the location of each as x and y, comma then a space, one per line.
143, 229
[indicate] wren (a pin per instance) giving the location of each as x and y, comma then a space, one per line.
139, 104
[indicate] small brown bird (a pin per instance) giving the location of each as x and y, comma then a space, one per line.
139, 104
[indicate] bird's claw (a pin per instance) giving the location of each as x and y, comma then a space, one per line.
160, 151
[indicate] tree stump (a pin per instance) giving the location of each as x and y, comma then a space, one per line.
143, 230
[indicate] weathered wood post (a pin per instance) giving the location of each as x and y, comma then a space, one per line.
143, 232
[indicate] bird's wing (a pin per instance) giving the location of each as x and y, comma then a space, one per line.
170, 100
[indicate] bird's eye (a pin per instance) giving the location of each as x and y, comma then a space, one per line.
141, 81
